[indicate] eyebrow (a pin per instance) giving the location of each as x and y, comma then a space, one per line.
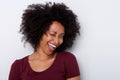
55, 32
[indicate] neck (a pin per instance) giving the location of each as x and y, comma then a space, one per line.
43, 56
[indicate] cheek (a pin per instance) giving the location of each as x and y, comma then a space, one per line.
61, 41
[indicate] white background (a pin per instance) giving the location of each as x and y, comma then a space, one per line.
97, 49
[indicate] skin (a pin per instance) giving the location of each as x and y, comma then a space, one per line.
43, 57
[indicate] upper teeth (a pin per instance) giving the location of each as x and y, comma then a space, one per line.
52, 45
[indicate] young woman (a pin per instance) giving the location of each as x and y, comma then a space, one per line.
50, 28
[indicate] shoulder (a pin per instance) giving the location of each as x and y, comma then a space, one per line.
67, 55
17, 68
70, 64
20, 62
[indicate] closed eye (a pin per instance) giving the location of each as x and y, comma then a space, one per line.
53, 34
61, 37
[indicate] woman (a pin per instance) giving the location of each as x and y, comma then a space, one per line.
50, 29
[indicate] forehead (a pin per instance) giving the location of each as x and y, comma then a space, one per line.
56, 26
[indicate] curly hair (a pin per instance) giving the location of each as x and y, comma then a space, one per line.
37, 19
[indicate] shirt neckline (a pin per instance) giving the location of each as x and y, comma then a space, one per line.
49, 68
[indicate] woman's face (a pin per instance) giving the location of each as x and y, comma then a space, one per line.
53, 38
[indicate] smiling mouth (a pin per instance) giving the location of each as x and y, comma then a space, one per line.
51, 45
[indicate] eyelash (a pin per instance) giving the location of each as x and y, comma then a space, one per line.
52, 34
59, 36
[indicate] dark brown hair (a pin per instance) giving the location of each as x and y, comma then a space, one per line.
37, 19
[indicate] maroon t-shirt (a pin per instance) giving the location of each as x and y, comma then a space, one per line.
64, 66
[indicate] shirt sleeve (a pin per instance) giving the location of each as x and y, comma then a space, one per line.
71, 66
15, 71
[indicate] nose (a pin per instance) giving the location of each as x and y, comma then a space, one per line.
56, 40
